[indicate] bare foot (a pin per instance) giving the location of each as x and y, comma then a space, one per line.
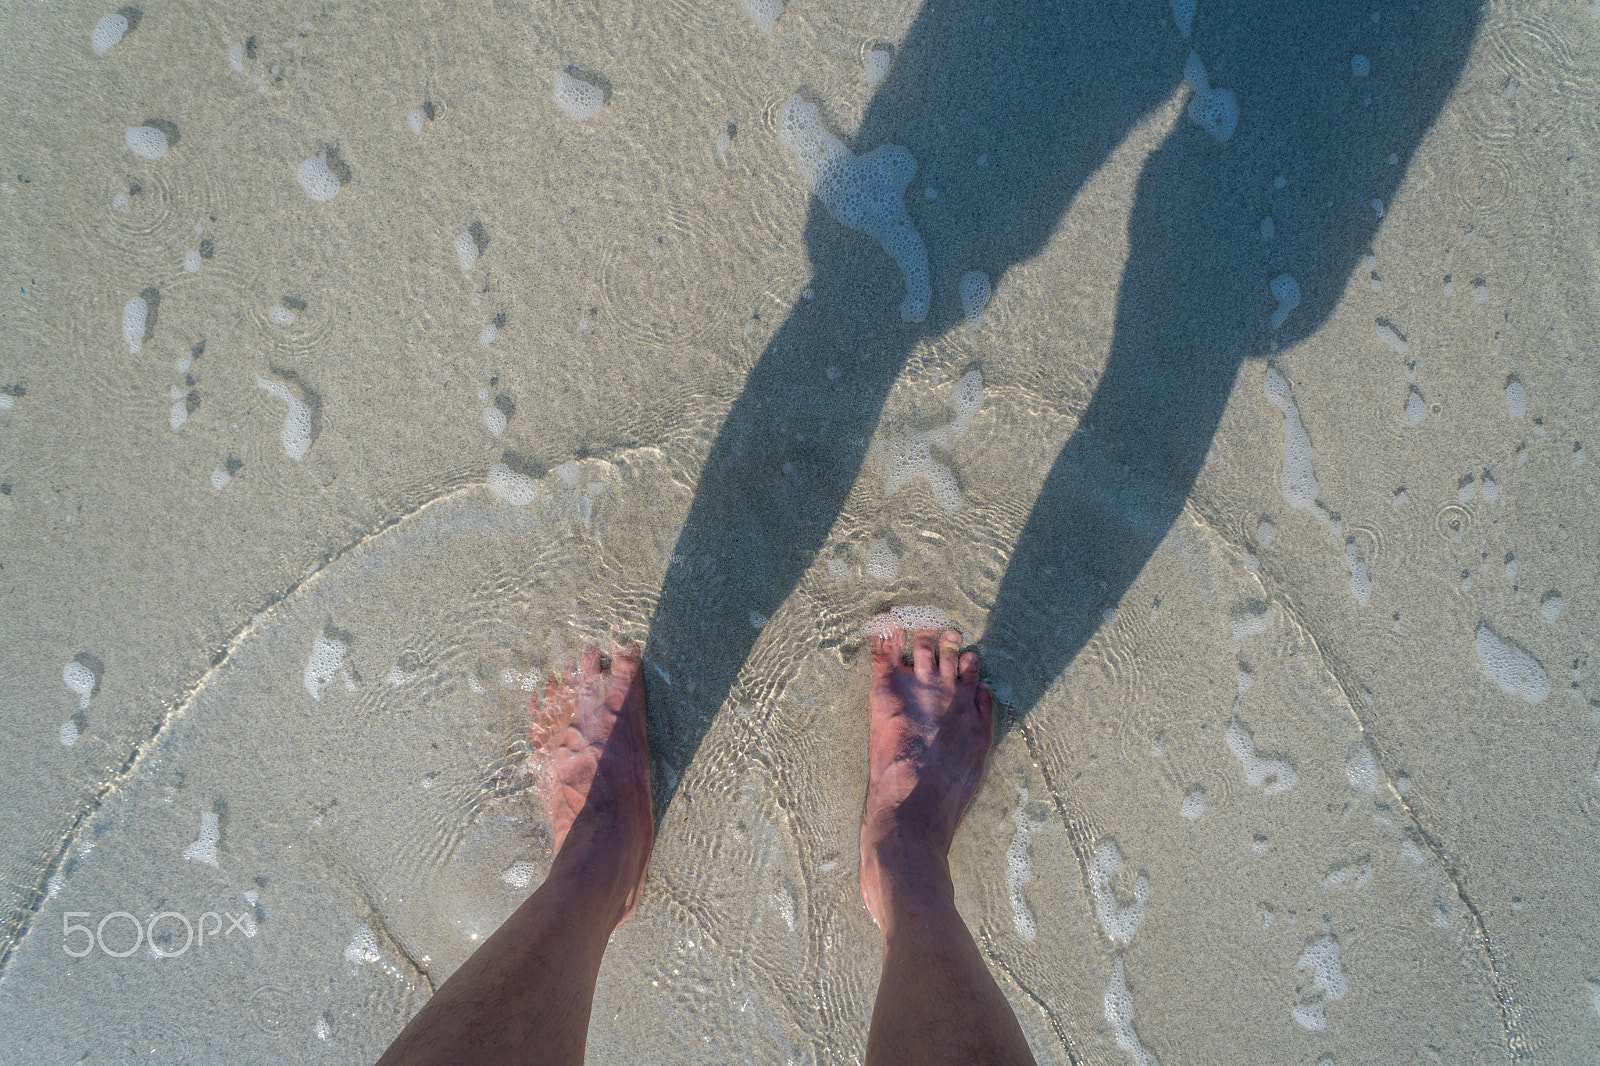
930, 735
595, 771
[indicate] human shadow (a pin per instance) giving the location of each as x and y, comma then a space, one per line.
1045, 92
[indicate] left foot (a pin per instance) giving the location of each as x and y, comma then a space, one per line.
595, 771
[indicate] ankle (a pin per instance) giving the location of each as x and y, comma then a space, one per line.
904, 879
600, 869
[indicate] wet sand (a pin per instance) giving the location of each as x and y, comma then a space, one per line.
1292, 619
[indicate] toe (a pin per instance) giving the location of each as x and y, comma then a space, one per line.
626, 662
886, 652
985, 702
924, 656
949, 654
969, 668
591, 660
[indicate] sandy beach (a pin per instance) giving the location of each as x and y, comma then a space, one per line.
1226, 372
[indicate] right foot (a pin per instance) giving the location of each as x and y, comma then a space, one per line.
930, 734
594, 772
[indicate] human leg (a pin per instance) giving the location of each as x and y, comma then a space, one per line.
930, 734
525, 995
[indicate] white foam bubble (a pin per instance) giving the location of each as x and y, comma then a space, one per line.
220, 478
864, 193
317, 178
1328, 984
416, 118
906, 455
466, 251
1216, 111
135, 313
966, 397
1360, 66
764, 13
1550, 605
782, 901
192, 260
1194, 803
974, 291
296, 433
178, 413
1119, 922
1297, 479
519, 874
1271, 776
1361, 770
107, 32
205, 849
1594, 986
1183, 16
280, 316
1416, 409
487, 334
68, 733
1490, 489
363, 947
875, 65
1286, 291
1516, 397
1019, 869
518, 490
1355, 874
1509, 666
236, 56
1267, 228
80, 681
327, 659
1249, 622
1360, 580
882, 562
909, 618
495, 420
145, 141
1390, 336
1119, 1015
577, 99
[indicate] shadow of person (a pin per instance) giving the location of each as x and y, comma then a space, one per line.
1046, 91
1194, 301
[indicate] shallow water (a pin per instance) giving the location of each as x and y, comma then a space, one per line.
334, 426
